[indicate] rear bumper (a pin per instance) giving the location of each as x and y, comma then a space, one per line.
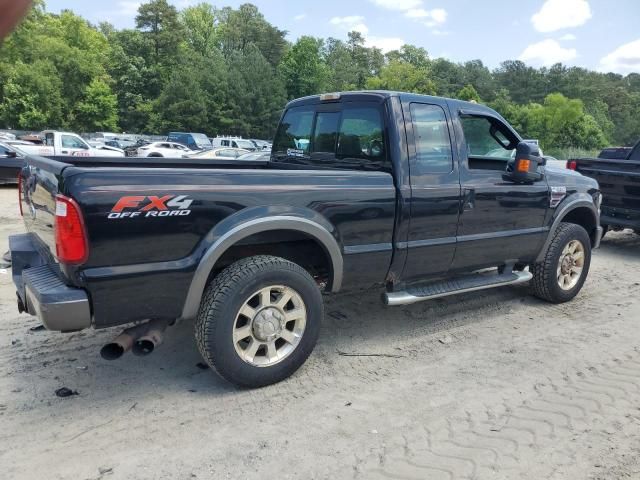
620, 217
42, 293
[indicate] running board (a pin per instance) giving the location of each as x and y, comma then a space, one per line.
469, 283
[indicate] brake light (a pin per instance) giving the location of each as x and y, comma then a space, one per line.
20, 192
572, 164
70, 234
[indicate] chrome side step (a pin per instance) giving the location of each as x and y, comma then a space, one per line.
469, 283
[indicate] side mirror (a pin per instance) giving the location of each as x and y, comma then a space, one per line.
11, 154
524, 168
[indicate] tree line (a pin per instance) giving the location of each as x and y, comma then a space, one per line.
229, 71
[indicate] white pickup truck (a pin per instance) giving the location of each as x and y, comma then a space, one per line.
69, 144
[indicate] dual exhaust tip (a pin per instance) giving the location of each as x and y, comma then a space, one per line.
140, 339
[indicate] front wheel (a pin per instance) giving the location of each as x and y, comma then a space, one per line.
560, 276
259, 320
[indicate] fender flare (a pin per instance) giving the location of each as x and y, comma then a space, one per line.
251, 227
576, 200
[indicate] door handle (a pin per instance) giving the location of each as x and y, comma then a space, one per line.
64, 151
468, 199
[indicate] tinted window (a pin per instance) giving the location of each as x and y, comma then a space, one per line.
635, 153
3, 151
431, 134
361, 135
325, 135
294, 132
348, 138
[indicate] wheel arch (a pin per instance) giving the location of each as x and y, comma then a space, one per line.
232, 236
580, 210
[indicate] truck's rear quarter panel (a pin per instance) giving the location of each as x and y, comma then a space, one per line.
141, 267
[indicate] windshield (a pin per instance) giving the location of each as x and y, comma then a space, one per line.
201, 139
245, 144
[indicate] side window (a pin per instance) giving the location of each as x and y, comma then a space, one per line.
72, 142
431, 134
490, 145
224, 143
48, 140
3, 151
294, 133
635, 153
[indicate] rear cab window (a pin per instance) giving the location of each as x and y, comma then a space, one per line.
345, 135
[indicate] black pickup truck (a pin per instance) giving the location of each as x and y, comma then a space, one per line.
412, 193
619, 180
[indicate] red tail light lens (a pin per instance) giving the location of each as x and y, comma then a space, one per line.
20, 193
71, 237
572, 165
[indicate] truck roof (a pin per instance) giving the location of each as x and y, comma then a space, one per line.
381, 95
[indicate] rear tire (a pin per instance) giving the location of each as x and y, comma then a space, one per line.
562, 273
240, 328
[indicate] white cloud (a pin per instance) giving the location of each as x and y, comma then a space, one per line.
128, 8
567, 37
558, 14
430, 18
302, 16
350, 23
547, 52
624, 59
385, 44
401, 5
414, 9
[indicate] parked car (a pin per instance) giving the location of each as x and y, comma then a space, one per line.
256, 156
120, 143
233, 142
619, 180
220, 153
261, 144
132, 150
68, 144
399, 193
193, 141
164, 149
11, 161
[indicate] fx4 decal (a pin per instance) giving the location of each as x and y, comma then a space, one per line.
151, 206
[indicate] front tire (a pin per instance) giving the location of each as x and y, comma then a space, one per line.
259, 320
562, 273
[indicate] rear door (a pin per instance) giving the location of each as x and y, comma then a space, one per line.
435, 191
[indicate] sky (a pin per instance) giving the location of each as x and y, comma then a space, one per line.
596, 34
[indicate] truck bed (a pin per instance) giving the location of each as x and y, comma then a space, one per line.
620, 186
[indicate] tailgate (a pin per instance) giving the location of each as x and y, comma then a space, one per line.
39, 187
619, 180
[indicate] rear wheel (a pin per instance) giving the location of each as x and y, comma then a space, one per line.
259, 320
560, 276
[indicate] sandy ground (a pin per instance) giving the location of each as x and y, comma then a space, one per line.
494, 385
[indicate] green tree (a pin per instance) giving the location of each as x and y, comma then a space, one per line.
304, 69
469, 94
201, 27
402, 76
159, 21
98, 110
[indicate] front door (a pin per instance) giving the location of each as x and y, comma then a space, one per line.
501, 221
435, 192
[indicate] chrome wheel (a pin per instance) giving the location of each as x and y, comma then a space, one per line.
269, 325
570, 265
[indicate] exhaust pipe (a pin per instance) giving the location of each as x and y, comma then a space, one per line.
151, 338
123, 342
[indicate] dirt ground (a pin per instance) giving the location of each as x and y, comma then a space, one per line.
494, 384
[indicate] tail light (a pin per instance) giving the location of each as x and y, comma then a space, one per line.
572, 165
71, 237
20, 192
